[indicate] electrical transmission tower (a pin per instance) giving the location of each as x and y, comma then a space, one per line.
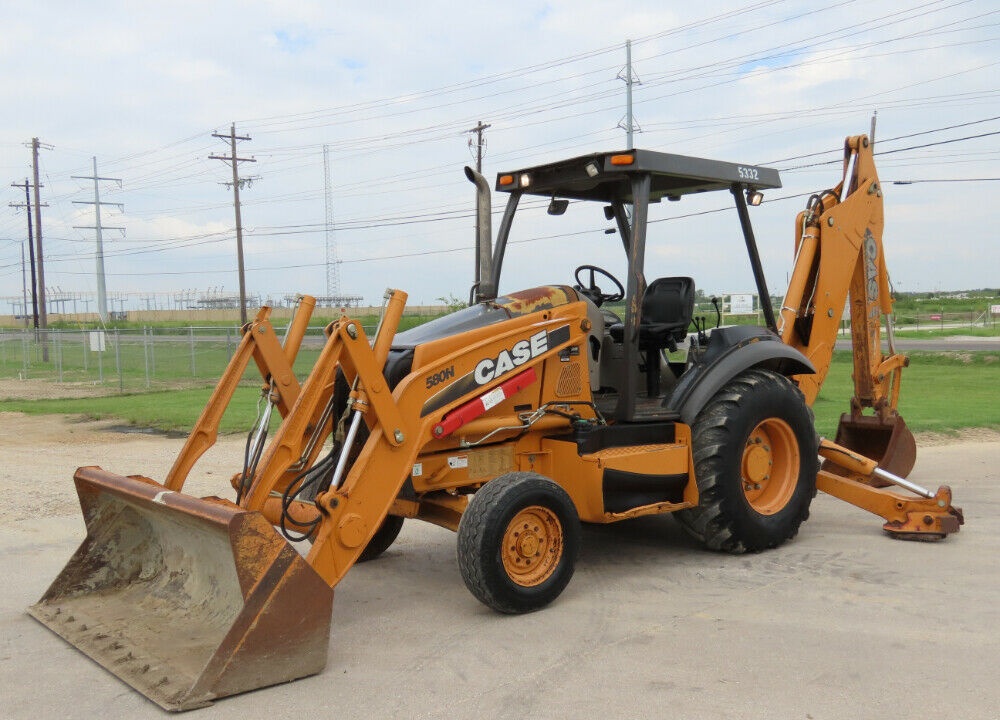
332, 263
626, 74
237, 183
102, 293
334, 297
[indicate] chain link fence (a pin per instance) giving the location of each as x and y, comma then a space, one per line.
132, 360
163, 358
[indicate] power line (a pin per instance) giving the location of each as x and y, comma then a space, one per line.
173, 171
892, 139
942, 180
419, 218
899, 150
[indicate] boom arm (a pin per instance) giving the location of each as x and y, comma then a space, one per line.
839, 252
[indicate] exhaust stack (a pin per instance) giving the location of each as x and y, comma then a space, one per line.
485, 286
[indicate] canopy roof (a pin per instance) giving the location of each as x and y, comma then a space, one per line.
607, 176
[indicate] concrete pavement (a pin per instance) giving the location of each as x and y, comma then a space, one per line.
842, 622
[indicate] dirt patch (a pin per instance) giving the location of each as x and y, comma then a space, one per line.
41, 452
40, 389
966, 435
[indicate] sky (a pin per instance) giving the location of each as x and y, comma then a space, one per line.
387, 92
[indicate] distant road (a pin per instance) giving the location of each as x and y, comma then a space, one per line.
960, 344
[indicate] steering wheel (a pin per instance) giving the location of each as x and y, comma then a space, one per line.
591, 289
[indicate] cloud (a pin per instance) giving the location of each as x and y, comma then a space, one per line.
293, 41
392, 94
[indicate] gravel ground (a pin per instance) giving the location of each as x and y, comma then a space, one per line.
840, 622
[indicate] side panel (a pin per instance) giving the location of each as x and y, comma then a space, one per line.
621, 482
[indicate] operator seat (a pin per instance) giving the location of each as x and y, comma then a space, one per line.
667, 309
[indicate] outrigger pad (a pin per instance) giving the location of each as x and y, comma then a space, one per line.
888, 442
186, 599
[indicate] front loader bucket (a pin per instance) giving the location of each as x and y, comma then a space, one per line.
889, 442
186, 599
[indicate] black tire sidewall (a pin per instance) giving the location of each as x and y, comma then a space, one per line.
383, 538
507, 496
773, 397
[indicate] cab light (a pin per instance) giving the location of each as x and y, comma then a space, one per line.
622, 159
525, 180
506, 180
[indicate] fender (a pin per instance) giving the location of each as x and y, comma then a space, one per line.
730, 351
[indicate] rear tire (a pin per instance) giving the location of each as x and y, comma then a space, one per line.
518, 542
755, 456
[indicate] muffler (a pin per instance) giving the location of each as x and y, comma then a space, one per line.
185, 599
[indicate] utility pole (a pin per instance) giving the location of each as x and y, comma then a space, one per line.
43, 320
31, 248
478, 130
630, 79
102, 295
24, 289
234, 162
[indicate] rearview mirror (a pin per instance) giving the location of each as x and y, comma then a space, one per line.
557, 207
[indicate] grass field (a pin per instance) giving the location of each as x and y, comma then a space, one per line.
941, 392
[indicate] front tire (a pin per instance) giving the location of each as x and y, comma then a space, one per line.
755, 455
383, 538
518, 541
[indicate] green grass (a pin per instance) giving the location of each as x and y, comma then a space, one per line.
942, 392
171, 411
164, 365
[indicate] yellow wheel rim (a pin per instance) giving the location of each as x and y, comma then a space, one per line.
532, 546
770, 467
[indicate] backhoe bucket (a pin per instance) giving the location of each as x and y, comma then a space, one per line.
889, 442
186, 599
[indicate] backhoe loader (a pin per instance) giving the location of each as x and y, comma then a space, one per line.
511, 422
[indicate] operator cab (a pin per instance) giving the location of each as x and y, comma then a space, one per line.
633, 377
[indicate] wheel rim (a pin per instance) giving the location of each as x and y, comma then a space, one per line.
532, 546
770, 467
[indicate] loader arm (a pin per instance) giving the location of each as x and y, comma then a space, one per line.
259, 343
839, 255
